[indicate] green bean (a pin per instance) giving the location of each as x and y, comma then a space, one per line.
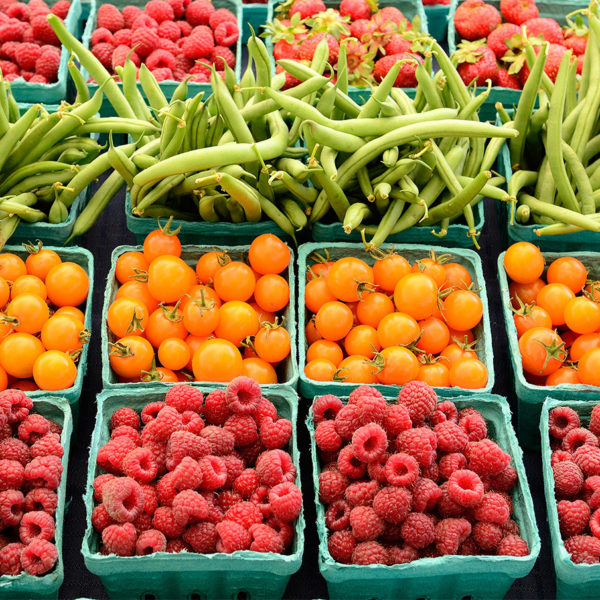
4, 122
173, 121
326, 103
493, 149
328, 157
74, 155
131, 92
58, 213
36, 181
457, 87
116, 125
403, 167
387, 224
390, 157
206, 208
158, 211
7, 228
370, 108
88, 145
4, 88
333, 193
516, 183
305, 195
559, 213
580, 179
545, 83
273, 213
364, 182
121, 163
13, 107
16, 132
247, 81
592, 148
231, 113
158, 192
523, 214
25, 199
355, 215
571, 121
83, 92
297, 169
193, 116
502, 114
143, 161
30, 170
332, 139
571, 97
489, 190
181, 91
31, 140
403, 101
155, 95
432, 94
294, 213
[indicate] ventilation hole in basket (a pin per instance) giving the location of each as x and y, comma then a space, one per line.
148, 596
467, 598
242, 596
195, 596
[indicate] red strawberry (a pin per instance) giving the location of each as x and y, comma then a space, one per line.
307, 8
576, 36
355, 9
506, 80
497, 39
476, 62
306, 50
362, 27
406, 76
474, 19
397, 45
555, 54
544, 27
283, 49
518, 11
394, 15
289, 80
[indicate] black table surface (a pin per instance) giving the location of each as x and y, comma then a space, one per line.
110, 231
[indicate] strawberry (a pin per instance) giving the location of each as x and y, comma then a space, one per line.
544, 27
498, 38
518, 11
307, 47
576, 36
555, 54
506, 80
406, 76
306, 8
283, 49
361, 28
474, 19
289, 80
359, 59
329, 21
475, 62
289, 30
397, 45
355, 9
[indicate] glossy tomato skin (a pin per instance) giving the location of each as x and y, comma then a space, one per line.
435, 374
217, 360
541, 350
357, 369
523, 262
345, 277
569, 271
589, 368
468, 373
554, 298
525, 292
583, 344
388, 271
534, 316
400, 366
563, 375
416, 294
268, 254
320, 369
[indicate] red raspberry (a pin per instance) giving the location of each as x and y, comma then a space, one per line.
369, 442
222, 56
7, 50
189, 507
8, 68
178, 7
214, 472
11, 31
573, 517
109, 17
493, 508
450, 534
191, 422
140, 465
36, 524
474, 425
513, 545
366, 524
232, 536
487, 535
265, 539
110, 456
426, 494
418, 530
594, 524
249, 454
332, 485
561, 420
12, 475
242, 393
150, 498
149, 542
18, 10
125, 416
39, 557
337, 515
370, 404
130, 14
245, 514
14, 449
505, 480
444, 411
376, 470
120, 539
246, 483
326, 408
487, 458
578, 437
130, 432
184, 443
122, 38
450, 463
510, 528
401, 556
100, 518
170, 30
47, 64
167, 421
275, 466
216, 410
103, 35
41, 499
159, 452
199, 12
361, 493
369, 553
145, 40
347, 421
222, 441
123, 498
235, 466
221, 15
594, 425
151, 410
401, 469
181, 397
397, 419
227, 499
419, 398
243, 427
26, 55
20, 404
392, 504
341, 544
592, 491
11, 507
285, 530
587, 458
580, 545
227, 33
446, 507
10, 559
188, 474
286, 501
178, 545
164, 520
103, 52
568, 479
159, 10
450, 437
61, 8
349, 465
265, 407
202, 537
420, 443
44, 471
143, 522
275, 433
465, 488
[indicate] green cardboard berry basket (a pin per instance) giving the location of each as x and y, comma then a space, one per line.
468, 258
446, 577
457, 236
163, 576
573, 580
84, 258
555, 9
531, 397
437, 20
288, 371
168, 87
31, 587
255, 15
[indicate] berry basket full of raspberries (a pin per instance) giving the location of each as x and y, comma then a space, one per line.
34, 453
195, 494
488, 42
418, 497
570, 430
31, 57
174, 39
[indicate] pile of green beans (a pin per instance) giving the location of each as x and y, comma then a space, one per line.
556, 156
253, 151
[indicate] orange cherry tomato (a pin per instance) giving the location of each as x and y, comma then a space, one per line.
431, 267
554, 297
526, 292
131, 355
39, 263
71, 310
208, 264
259, 370
457, 277
161, 242
531, 316
235, 281
311, 333
461, 337
524, 262
11, 266
452, 353
416, 295
139, 291
356, 369
268, 254
30, 311
201, 292
237, 321
65, 333
583, 344
54, 370
272, 344
169, 278
325, 349
28, 284
563, 375
582, 315
163, 323
434, 335
588, 367
127, 316
388, 271
568, 270
194, 342
217, 360
201, 317
435, 374
397, 329
4, 292
18, 353
347, 277
272, 292
264, 316
469, 373
319, 269
320, 369
542, 351
400, 366
4, 380
67, 284
372, 307
317, 293
362, 341
130, 265
462, 309
334, 320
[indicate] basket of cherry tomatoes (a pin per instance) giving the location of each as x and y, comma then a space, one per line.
199, 313
551, 305
389, 316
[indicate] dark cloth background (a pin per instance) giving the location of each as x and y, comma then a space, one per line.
110, 231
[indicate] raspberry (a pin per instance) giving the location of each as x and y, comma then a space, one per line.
594, 425
181, 397
39, 557
245, 514
123, 498
110, 456
444, 411
192, 422
418, 530
493, 508
145, 40
286, 501
587, 458
376, 470
151, 410
103, 52
275, 434
143, 522
216, 410
510, 528
149, 542
592, 492
234, 466
159, 452
120, 539
450, 534
44, 471
160, 11
232, 536
446, 507
222, 441
450, 437
125, 416
14, 449
140, 465
130, 432
12, 475
61, 8
18, 10
41, 499
397, 419
26, 55
366, 524
512, 545
573, 517
431, 472
243, 427
249, 454
369, 442
568, 479
326, 408
184, 443
170, 30
122, 38
47, 65
164, 520
487, 535
100, 518
265, 539
227, 499
221, 15
130, 14
109, 17
8, 68
331, 486
594, 524
450, 463
465, 488
202, 537
361, 493
246, 483
11, 32
341, 544
10, 559
505, 480
188, 474
370, 404
561, 420
222, 56
265, 407
36, 524
349, 465
369, 553
178, 545
242, 393
474, 425
392, 504
11, 507
189, 507
487, 458
102, 35
337, 515
425, 495
419, 398
227, 33
199, 12
347, 421
401, 469
285, 530
20, 404
401, 556
578, 437
420, 443
275, 466
150, 498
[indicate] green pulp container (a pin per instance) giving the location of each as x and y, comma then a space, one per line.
573, 580
32, 587
83, 258
446, 577
254, 16
437, 20
168, 87
531, 397
288, 371
467, 258
163, 576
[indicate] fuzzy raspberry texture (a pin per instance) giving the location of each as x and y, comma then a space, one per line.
161, 35
30, 474
196, 473
415, 478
